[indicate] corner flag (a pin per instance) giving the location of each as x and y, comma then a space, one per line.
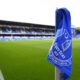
60, 53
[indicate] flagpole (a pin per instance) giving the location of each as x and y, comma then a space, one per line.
60, 52
58, 74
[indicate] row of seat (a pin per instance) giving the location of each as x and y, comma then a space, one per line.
23, 32
24, 38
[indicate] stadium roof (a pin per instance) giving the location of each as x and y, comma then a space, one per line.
3, 22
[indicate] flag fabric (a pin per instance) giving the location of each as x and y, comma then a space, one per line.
60, 53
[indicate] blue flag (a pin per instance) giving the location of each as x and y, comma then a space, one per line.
60, 53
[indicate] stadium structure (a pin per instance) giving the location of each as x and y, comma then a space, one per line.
10, 30
77, 32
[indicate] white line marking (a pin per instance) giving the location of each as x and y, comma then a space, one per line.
1, 75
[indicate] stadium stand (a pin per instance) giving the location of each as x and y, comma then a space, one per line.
25, 31
77, 32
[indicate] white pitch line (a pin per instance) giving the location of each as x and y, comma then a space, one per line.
1, 75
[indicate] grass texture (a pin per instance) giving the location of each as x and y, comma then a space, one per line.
27, 60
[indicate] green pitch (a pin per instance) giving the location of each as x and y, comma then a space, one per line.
26, 60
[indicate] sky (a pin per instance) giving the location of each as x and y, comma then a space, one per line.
38, 11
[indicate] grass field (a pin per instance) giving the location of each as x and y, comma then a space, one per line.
26, 60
